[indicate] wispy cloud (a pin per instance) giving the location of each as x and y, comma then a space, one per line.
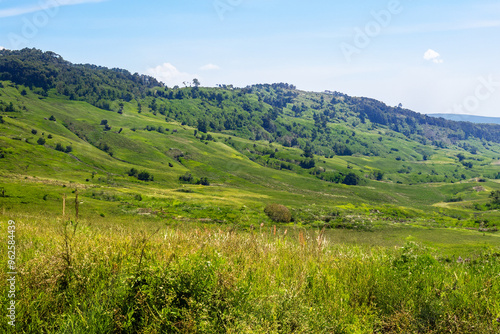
210, 67
170, 75
431, 55
21, 10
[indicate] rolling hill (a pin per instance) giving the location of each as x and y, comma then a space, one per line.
134, 146
468, 118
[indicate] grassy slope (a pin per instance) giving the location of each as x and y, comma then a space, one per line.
204, 277
235, 179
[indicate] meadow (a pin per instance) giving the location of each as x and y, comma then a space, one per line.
167, 276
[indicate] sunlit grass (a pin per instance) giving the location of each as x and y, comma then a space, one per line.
149, 277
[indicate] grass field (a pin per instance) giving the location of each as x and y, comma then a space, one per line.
153, 276
411, 253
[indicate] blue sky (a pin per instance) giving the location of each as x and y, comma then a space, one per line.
431, 57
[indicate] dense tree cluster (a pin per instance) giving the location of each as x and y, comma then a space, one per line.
94, 84
410, 123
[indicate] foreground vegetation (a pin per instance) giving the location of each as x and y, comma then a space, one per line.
157, 277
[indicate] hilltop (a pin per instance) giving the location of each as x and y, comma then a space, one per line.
468, 118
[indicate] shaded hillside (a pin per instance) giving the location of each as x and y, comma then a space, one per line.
468, 118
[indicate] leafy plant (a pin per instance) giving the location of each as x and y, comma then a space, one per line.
59, 147
278, 213
145, 176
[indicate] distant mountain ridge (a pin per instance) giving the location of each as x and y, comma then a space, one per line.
468, 118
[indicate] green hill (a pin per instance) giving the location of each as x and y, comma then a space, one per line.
133, 207
468, 118
134, 146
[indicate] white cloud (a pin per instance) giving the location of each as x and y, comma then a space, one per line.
44, 5
170, 75
1, 48
431, 55
210, 67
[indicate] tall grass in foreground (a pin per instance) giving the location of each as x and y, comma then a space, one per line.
137, 279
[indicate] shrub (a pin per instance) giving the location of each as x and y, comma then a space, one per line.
68, 149
145, 176
52, 118
352, 179
278, 213
203, 181
188, 178
468, 164
307, 163
40, 141
495, 197
1, 119
59, 147
132, 172
333, 177
34, 131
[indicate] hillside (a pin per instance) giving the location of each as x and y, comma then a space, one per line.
135, 146
468, 118
132, 207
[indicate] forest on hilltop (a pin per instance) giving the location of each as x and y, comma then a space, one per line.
257, 109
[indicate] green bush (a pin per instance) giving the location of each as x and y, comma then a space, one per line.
278, 213
203, 181
59, 147
187, 178
145, 176
133, 172
352, 179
